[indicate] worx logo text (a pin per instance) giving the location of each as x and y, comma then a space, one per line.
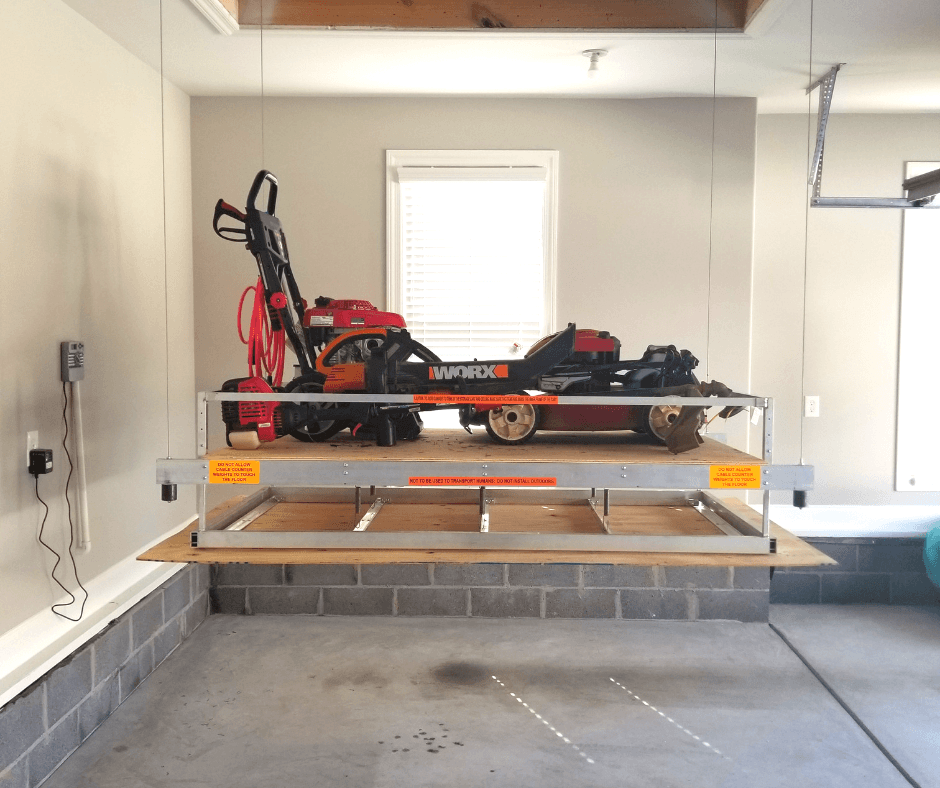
469, 372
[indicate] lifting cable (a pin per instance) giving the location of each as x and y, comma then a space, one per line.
166, 264
261, 55
809, 148
711, 201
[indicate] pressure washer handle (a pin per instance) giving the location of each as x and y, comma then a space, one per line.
222, 208
260, 178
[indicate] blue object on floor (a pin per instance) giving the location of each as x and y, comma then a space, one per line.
932, 555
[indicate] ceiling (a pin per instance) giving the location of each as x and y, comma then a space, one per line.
891, 52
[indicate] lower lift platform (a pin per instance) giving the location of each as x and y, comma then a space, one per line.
524, 527
448, 496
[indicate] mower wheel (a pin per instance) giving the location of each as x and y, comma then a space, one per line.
512, 423
315, 431
658, 419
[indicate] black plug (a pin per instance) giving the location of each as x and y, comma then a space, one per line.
40, 461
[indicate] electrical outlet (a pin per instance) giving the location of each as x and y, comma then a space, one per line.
811, 407
32, 442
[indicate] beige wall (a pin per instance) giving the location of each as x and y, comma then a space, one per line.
82, 223
651, 247
852, 283
634, 213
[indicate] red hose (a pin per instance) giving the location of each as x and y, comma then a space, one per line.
265, 345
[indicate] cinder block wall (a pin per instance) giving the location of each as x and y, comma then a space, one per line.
494, 591
48, 721
887, 570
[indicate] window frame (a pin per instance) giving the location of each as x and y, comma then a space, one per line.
912, 462
547, 159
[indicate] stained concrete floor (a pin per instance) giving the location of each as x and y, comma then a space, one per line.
304, 701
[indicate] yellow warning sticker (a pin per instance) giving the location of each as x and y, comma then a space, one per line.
234, 472
734, 477
482, 481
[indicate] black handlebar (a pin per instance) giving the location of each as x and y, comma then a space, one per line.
260, 178
222, 208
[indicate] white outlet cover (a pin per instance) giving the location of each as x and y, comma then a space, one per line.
811, 407
32, 442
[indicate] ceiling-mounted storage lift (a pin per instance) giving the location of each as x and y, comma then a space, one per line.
920, 191
617, 470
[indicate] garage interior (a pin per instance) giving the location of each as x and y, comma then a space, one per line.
434, 612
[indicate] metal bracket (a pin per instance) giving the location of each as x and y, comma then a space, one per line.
242, 523
244, 512
709, 514
826, 85
602, 517
370, 515
920, 191
485, 511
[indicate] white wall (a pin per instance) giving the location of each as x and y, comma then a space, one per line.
634, 214
852, 304
82, 223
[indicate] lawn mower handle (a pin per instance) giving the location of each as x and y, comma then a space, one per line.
260, 178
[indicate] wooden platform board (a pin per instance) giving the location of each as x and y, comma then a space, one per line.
458, 446
514, 517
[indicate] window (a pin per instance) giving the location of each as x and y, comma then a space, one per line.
471, 249
918, 372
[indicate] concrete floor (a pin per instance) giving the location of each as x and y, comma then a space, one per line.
303, 701
884, 662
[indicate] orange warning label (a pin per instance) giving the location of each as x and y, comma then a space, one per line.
234, 472
482, 481
482, 399
734, 477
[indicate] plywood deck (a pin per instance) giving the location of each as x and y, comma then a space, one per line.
511, 517
457, 446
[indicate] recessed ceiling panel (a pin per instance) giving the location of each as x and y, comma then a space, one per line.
515, 14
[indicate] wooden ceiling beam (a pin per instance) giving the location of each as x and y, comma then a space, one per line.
515, 14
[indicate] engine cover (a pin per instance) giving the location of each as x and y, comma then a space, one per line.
261, 418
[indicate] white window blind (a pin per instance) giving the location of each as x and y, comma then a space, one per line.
475, 246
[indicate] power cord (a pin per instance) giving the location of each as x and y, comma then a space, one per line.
68, 503
58, 558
